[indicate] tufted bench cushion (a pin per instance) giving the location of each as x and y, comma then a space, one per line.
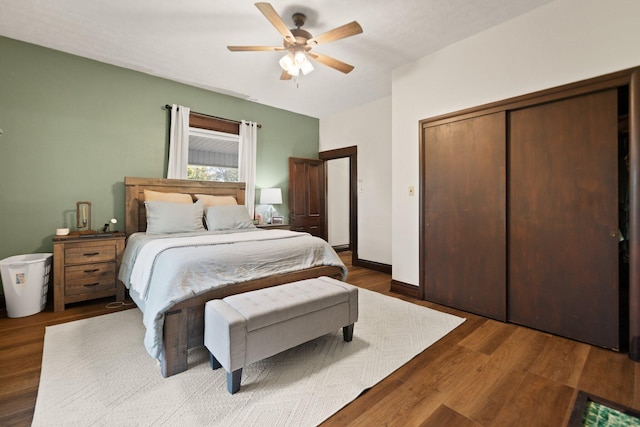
244, 328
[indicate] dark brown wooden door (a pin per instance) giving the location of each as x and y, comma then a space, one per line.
307, 196
563, 214
464, 215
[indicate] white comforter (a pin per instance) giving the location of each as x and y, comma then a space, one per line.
161, 270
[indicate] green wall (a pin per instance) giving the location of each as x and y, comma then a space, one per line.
74, 128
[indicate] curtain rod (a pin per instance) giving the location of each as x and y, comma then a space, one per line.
168, 107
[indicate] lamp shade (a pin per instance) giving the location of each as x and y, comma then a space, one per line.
286, 62
270, 196
306, 67
299, 57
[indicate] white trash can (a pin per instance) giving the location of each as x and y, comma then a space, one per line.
25, 282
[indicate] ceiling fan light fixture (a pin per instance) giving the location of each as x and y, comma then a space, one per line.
294, 62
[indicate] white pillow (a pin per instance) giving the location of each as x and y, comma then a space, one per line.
167, 217
227, 217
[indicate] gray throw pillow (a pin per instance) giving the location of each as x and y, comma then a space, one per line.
227, 217
167, 217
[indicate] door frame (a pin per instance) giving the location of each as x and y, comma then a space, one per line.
352, 154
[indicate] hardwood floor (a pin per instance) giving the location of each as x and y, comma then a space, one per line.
484, 373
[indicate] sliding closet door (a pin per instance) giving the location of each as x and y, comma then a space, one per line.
463, 218
563, 216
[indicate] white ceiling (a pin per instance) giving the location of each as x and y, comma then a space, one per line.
186, 41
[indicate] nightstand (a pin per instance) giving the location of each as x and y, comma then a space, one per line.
86, 267
274, 226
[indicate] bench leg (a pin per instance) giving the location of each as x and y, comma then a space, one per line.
233, 380
213, 362
347, 332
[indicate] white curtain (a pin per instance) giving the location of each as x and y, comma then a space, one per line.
247, 162
178, 142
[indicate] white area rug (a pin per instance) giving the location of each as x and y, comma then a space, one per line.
96, 372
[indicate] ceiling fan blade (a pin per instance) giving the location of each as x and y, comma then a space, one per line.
331, 62
270, 13
285, 76
254, 48
347, 30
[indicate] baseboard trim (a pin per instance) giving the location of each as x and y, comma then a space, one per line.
405, 289
342, 248
372, 265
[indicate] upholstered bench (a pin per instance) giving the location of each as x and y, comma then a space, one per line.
244, 328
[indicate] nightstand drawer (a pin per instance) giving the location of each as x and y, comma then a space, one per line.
79, 253
82, 279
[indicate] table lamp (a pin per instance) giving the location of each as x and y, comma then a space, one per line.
270, 196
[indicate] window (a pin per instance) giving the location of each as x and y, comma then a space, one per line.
213, 155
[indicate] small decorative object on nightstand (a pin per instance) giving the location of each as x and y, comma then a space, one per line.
83, 217
85, 266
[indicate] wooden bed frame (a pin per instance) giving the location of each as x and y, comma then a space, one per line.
184, 321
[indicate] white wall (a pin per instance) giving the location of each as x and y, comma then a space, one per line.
561, 42
369, 128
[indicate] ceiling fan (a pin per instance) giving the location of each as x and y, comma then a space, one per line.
298, 44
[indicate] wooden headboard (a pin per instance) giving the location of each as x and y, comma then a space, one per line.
135, 218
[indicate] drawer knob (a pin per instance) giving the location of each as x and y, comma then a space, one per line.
92, 271
92, 254
89, 285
